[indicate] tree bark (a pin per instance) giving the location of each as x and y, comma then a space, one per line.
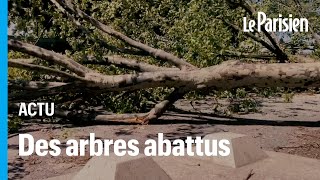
128, 64
226, 76
220, 77
161, 107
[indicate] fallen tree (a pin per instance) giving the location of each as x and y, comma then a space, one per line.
228, 75
75, 76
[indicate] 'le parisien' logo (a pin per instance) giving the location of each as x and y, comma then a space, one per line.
279, 24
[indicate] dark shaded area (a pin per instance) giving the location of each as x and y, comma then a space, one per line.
17, 169
209, 118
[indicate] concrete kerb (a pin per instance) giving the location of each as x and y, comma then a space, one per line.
122, 168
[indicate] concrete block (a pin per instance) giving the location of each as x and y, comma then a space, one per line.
122, 168
140, 169
243, 151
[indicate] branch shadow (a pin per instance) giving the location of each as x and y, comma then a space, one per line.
16, 169
179, 116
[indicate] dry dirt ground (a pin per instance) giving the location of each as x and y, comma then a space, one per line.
292, 128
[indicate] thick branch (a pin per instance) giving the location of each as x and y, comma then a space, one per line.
252, 36
161, 107
272, 37
317, 38
103, 43
127, 63
228, 75
44, 69
33, 85
34, 89
281, 55
224, 76
157, 53
218, 77
48, 56
250, 56
126, 118
24, 60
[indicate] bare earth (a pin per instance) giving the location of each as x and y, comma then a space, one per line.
282, 127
